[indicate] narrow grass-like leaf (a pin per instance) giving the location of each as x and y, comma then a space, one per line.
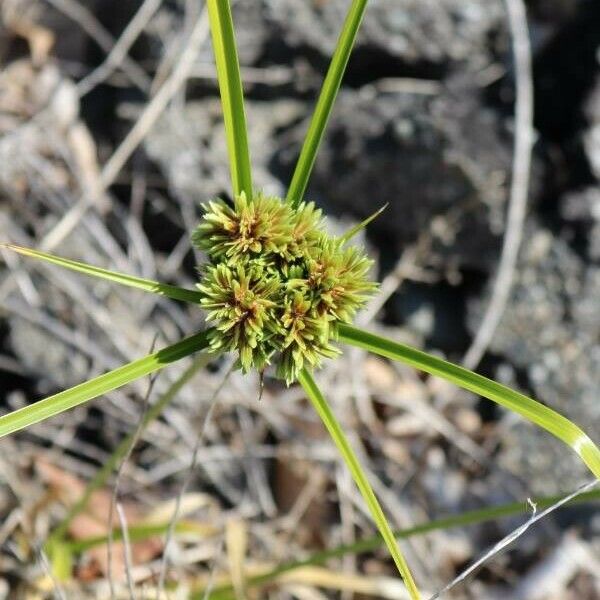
137, 533
53, 405
232, 94
147, 285
327, 97
341, 441
121, 450
473, 517
532, 410
360, 226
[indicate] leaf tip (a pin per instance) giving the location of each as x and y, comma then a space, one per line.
360, 226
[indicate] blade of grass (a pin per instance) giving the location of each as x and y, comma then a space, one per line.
533, 411
372, 543
147, 285
53, 405
119, 452
335, 431
327, 97
138, 533
360, 226
232, 94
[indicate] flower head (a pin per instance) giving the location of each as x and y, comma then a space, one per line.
241, 302
337, 277
277, 282
306, 336
249, 228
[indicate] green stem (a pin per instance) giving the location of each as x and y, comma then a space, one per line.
232, 94
327, 97
341, 441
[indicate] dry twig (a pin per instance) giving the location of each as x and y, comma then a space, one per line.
120, 50
127, 553
187, 481
115, 493
521, 166
88, 22
511, 537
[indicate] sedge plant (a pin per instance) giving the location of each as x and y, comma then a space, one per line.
279, 290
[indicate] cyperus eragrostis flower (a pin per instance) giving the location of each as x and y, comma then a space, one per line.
276, 283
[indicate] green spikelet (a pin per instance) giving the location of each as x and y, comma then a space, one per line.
337, 277
306, 230
241, 302
306, 337
258, 227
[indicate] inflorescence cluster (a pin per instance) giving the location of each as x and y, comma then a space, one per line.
277, 282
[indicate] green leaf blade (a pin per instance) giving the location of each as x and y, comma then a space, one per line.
326, 100
57, 403
136, 533
335, 431
102, 475
232, 94
530, 409
346, 237
147, 285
